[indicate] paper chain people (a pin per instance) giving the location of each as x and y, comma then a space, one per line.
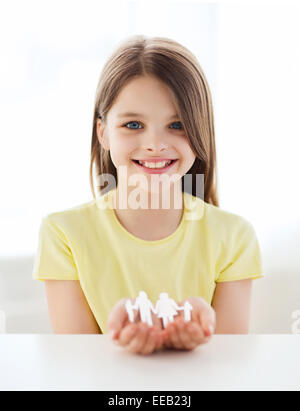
165, 308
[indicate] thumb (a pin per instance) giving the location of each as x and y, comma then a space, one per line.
117, 318
207, 318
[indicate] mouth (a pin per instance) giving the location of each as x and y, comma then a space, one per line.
154, 169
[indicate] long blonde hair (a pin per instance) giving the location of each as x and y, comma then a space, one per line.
179, 69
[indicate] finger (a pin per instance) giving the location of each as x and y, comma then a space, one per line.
184, 336
139, 340
152, 341
168, 344
127, 334
165, 339
204, 314
207, 320
180, 314
196, 333
172, 335
118, 318
157, 322
160, 342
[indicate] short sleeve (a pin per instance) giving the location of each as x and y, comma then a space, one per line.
54, 259
243, 257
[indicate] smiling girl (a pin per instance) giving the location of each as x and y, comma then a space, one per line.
152, 127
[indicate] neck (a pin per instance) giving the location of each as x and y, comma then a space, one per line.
149, 202
146, 221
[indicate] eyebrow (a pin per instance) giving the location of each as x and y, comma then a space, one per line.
132, 114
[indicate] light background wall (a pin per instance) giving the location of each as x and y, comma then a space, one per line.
52, 62
258, 87
51, 57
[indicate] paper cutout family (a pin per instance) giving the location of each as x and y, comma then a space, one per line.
165, 308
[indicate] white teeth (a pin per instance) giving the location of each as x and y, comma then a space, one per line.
160, 164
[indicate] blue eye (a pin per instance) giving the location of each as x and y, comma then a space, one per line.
137, 122
178, 122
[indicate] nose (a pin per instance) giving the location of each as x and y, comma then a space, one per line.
154, 143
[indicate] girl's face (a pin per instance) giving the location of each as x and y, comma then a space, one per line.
154, 132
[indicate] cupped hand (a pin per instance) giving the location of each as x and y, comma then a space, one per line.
183, 335
136, 337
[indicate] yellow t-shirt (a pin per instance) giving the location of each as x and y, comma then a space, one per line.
89, 244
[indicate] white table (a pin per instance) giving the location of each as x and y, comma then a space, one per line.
93, 362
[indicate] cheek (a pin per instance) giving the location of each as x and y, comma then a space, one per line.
188, 158
187, 152
121, 151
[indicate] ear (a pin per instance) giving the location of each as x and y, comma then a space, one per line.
101, 134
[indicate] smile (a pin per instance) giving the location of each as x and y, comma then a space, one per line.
155, 167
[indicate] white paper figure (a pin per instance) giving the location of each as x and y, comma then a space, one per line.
187, 307
166, 309
145, 306
129, 309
